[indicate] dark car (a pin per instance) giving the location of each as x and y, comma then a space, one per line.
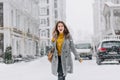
108, 50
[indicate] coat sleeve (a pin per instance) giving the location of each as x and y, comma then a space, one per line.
72, 46
51, 48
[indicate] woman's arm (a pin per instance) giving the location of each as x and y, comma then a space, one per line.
72, 46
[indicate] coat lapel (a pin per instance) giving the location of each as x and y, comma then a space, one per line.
63, 46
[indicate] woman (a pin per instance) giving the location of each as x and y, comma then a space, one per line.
63, 44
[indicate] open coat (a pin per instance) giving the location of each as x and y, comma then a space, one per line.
66, 59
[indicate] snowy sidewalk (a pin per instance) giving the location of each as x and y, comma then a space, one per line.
40, 69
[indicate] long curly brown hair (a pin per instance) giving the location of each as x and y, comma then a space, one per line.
56, 32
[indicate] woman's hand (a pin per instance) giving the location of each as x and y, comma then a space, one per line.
80, 60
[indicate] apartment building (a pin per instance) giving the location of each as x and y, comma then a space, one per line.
105, 19
19, 24
51, 11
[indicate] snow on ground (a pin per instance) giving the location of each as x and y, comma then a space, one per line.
40, 69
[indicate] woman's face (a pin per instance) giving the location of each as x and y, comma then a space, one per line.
60, 27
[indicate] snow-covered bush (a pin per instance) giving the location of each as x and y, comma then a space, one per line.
8, 55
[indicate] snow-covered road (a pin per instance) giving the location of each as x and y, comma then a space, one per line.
40, 69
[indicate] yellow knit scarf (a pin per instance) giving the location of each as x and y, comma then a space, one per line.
60, 41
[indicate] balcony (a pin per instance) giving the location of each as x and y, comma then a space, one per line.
111, 14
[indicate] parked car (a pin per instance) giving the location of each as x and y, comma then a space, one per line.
108, 50
84, 50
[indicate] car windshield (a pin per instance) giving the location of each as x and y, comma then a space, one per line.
83, 46
108, 44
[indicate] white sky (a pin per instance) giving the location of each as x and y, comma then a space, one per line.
80, 17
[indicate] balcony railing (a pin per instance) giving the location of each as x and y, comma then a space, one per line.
99, 38
111, 37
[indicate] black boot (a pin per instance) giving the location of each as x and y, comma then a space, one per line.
61, 78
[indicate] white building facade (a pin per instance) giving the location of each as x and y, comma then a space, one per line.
104, 18
19, 24
51, 11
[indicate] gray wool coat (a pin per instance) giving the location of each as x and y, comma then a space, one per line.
66, 59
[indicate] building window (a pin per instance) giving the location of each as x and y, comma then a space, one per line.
43, 11
16, 17
12, 18
17, 47
18, 21
1, 14
47, 1
117, 1
1, 42
55, 4
48, 22
43, 33
48, 33
43, 22
44, 1
43, 44
47, 11
56, 14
